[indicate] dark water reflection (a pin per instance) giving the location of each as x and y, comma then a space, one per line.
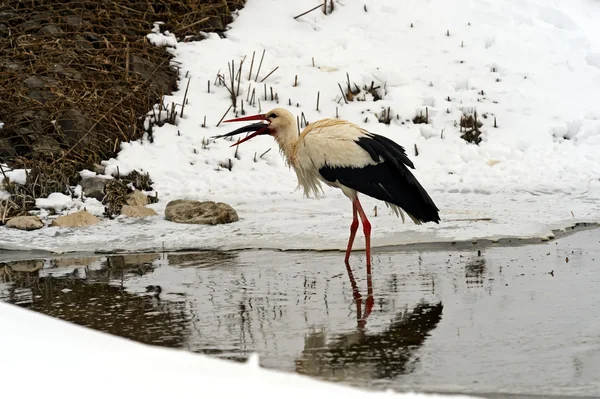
382, 355
96, 292
96, 298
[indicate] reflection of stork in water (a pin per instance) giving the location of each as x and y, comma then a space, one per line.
373, 356
360, 318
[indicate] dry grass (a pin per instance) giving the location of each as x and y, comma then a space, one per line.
78, 78
469, 126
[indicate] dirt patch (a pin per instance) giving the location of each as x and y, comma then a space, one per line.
78, 78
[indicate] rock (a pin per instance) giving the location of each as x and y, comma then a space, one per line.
76, 127
148, 71
50, 30
82, 44
29, 25
34, 82
76, 219
45, 145
4, 30
137, 211
216, 22
11, 64
41, 96
132, 260
25, 223
100, 169
26, 266
93, 187
7, 149
70, 261
61, 71
197, 212
137, 198
74, 20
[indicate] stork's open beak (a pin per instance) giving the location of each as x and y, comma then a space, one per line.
257, 128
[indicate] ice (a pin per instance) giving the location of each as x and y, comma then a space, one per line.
524, 64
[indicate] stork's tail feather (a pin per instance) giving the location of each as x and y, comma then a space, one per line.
425, 211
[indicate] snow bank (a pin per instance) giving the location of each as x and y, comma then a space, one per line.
81, 355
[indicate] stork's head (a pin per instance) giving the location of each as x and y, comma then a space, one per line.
276, 122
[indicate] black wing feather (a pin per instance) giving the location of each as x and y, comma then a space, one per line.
390, 180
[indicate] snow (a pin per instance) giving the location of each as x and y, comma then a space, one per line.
16, 176
161, 39
57, 201
151, 372
531, 65
86, 174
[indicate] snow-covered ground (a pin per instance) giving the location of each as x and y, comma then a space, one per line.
84, 355
531, 65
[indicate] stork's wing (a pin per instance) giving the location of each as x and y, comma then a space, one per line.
375, 166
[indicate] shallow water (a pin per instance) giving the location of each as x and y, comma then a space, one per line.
520, 320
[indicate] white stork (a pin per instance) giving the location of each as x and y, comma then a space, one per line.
343, 155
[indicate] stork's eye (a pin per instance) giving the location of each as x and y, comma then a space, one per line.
272, 116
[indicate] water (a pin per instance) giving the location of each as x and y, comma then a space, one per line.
495, 319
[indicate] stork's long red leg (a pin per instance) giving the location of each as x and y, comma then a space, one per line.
367, 230
353, 228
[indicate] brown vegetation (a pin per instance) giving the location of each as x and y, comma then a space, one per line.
78, 77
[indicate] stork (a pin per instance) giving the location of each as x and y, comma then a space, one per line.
343, 155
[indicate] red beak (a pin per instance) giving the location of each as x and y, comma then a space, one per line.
259, 117
257, 133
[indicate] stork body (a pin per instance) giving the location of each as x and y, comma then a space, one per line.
341, 154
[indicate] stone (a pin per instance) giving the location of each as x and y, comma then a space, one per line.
4, 30
61, 71
216, 22
74, 20
25, 223
41, 96
100, 169
76, 127
82, 44
200, 212
148, 71
35, 82
137, 211
7, 149
76, 219
26, 266
136, 198
45, 145
135, 260
93, 187
71, 261
29, 25
50, 30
